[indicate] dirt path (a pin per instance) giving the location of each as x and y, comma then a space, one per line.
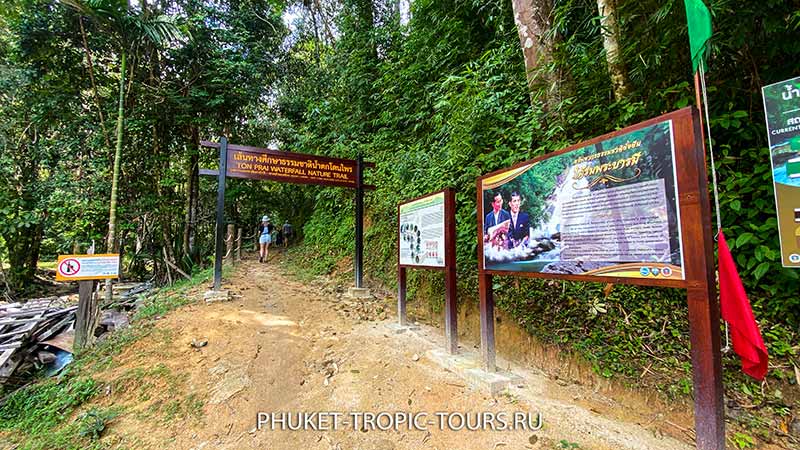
285, 346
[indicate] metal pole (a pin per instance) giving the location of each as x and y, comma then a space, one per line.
359, 264
223, 163
402, 318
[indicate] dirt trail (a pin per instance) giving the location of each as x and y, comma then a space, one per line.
285, 346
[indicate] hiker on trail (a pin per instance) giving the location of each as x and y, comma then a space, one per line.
264, 238
287, 233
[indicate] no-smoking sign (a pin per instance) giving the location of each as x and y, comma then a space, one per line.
87, 267
69, 267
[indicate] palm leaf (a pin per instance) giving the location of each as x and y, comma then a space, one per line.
128, 26
160, 30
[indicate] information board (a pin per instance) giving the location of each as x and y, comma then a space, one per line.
422, 231
782, 111
87, 267
606, 209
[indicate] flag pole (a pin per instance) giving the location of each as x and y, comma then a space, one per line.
700, 108
700, 86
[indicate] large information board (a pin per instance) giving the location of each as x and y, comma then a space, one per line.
608, 208
422, 231
629, 207
782, 110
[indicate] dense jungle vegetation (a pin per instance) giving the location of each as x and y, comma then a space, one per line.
436, 93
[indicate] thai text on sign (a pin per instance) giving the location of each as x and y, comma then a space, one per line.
782, 110
263, 164
422, 231
87, 267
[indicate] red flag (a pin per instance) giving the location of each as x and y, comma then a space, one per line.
747, 341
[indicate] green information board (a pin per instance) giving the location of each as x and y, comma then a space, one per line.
782, 110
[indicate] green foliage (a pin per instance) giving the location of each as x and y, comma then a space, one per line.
82, 434
742, 440
92, 423
445, 100
44, 405
55, 149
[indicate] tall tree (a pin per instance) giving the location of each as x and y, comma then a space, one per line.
129, 27
533, 19
610, 30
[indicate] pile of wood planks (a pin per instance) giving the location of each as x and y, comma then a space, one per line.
23, 325
28, 331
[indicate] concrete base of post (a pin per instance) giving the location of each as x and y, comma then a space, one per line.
356, 293
399, 329
221, 295
468, 367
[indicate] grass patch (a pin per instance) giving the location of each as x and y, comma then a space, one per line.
82, 434
46, 404
37, 416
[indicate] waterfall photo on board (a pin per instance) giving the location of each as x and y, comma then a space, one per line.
608, 209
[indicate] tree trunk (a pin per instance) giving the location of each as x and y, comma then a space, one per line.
24, 242
609, 28
34, 250
316, 34
94, 85
192, 194
167, 246
326, 26
112, 210
365, 14
20, 272
533, 21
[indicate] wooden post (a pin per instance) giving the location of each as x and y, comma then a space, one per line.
220, 237
704, 314
238, 244
86, 316
229, 243
359, 256
487, 322
256, 246
451, 301
402, 317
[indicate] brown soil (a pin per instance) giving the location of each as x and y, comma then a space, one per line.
286, 346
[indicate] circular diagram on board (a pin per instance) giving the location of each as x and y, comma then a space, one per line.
411, 235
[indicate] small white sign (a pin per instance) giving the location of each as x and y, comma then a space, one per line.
422, 232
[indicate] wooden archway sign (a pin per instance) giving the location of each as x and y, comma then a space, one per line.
244, 161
